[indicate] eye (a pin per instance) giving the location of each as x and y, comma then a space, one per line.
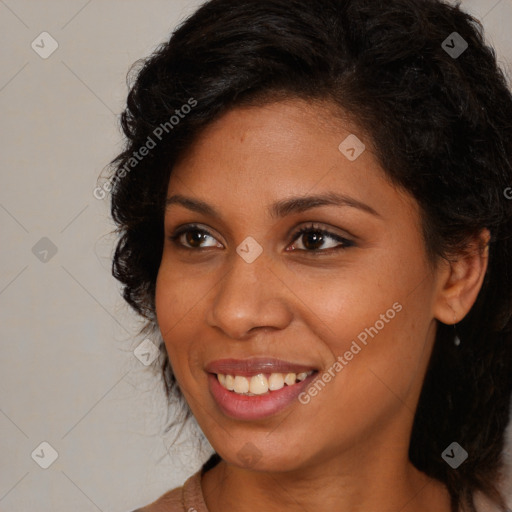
192, 236
312, 239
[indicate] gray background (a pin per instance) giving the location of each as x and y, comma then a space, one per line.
68, 372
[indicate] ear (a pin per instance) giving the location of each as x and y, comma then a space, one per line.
460, 279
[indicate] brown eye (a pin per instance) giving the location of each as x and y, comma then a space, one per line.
194, 238
191, 237
316, 240
313, 240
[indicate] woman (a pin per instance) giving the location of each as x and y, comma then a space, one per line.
313, 216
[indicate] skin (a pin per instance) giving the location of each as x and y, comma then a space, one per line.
347, 448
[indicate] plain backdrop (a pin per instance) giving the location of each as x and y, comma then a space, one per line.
69, 376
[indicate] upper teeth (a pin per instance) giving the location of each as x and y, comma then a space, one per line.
260, 384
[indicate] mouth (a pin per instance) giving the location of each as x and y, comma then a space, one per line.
256, 388
260, 384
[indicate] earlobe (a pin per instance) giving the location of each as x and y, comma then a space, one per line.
460, 280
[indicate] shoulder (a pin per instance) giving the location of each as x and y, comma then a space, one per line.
188, 497
171, 501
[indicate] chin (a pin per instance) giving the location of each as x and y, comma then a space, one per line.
269, 459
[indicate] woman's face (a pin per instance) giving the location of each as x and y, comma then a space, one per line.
241, 292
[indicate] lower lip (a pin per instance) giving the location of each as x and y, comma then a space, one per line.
242, 407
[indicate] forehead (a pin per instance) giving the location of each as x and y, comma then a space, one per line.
258, 155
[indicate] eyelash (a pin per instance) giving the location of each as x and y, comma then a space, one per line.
312, 228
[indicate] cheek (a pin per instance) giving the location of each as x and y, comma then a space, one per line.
383, 362
179, 294
342, 302
181, 298
375, 316
175, 299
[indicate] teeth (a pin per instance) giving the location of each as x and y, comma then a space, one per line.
260, 384
229, 382
275, 381
290, 379
241, 385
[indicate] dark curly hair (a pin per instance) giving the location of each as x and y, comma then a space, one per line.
442, 128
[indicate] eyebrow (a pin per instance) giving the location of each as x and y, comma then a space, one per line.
281, 208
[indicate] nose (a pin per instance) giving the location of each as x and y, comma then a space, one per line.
249, 298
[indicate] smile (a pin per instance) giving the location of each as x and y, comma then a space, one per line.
256, 388
261, 383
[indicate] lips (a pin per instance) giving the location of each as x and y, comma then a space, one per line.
254, 366
230, 383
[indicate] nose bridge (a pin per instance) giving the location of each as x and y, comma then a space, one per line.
248, 296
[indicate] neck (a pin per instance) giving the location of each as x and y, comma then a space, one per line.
369, 483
